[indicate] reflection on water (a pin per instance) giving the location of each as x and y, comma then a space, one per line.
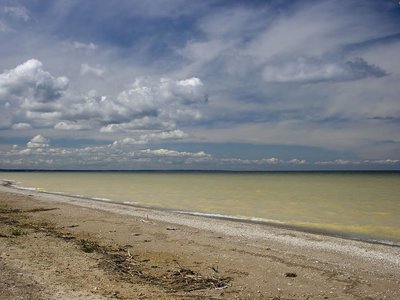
358, 203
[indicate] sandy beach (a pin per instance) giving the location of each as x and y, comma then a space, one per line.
58, 247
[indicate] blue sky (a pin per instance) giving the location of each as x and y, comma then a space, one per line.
241, 85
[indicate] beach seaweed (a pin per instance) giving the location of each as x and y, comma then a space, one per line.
116, 260
88, 246
17, 232
188, 280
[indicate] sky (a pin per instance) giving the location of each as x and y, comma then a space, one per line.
214, 85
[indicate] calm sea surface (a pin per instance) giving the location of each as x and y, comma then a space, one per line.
361, 204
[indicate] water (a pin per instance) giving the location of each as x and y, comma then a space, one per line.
360, 204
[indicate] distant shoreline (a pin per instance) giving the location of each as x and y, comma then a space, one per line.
204, 171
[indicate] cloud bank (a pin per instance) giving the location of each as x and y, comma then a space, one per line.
38, 153
36, 99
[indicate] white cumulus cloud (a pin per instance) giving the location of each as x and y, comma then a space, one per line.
70, 126
165, 135
38, 141
149, 104
145, 123
84, 46
29, 82
173, 153
296, 161
20, 126
176, 134
151, 107
271, 161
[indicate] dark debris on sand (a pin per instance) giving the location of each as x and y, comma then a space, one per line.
117, 260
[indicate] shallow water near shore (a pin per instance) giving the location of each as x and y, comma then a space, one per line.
364, 205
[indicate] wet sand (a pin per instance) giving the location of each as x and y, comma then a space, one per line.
57, 247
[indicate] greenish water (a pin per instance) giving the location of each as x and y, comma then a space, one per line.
360, 204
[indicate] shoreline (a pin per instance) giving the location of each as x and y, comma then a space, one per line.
233, 227
175, 256
250, 220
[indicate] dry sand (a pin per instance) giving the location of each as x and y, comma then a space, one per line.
57, 247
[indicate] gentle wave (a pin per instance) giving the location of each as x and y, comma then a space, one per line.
230, 217
292, 226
